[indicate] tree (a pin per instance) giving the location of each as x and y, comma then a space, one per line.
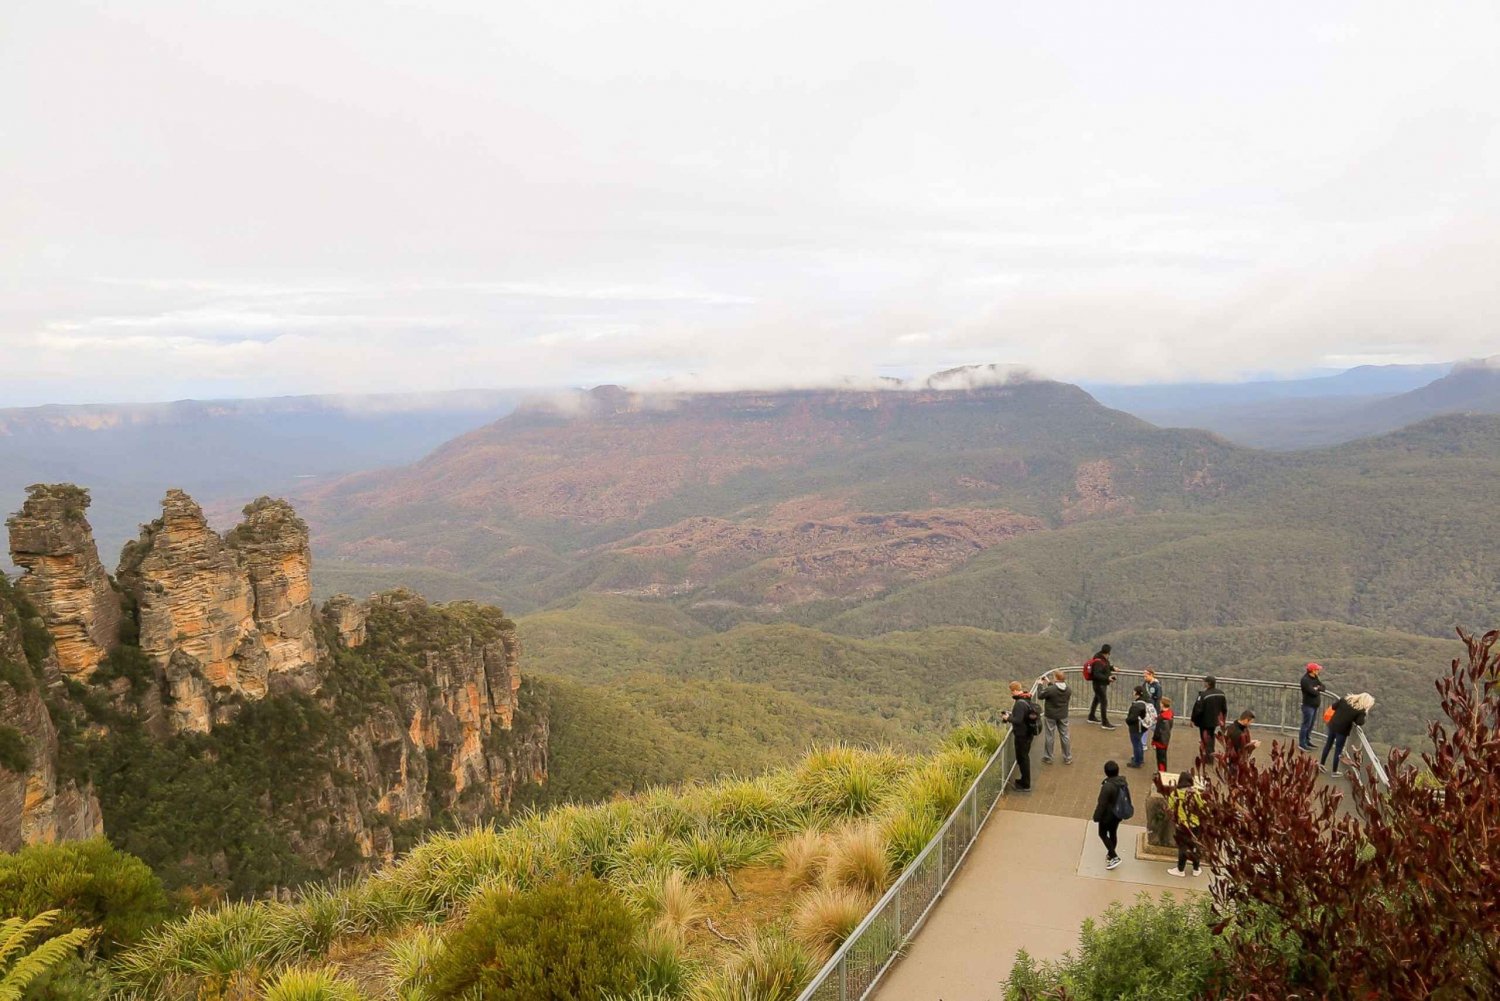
1397, 896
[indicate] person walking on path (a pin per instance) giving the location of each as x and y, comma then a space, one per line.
1186, 804
1312, 698
1348, 713
1140, 720
1161, 737
1100, 673
1153, 689
1055, 699
1025, 723
1210, 709
1107, 812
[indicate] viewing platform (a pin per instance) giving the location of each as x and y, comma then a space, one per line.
1025, 869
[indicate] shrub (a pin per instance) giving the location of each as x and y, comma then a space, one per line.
859, 861
827, 916
90, 884
562, 940
1154, 950
15, 750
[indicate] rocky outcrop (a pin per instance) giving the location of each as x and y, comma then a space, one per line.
50, 539
225, 619
346, 617
36, 804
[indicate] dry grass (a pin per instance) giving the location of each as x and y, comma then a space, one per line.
826, 917
859, 861
804, 857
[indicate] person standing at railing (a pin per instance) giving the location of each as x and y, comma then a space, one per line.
1161, 737
1140, 720
1348, 713
1109, 811
1209, 710
1153, 689
1055, 698
1100, 672
1025, 723
1312, 698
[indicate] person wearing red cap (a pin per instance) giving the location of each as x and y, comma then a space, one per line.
1312, 697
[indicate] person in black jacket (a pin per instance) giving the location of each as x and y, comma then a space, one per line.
1348, 713
1055, 699
1101, 673
1312, 698
1238, 742
1025, 722
1209, 710
1135, 723
1110, 790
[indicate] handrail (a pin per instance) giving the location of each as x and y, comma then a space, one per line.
1283, 723
859, 963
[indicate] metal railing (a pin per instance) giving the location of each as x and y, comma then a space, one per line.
1277, 704
871, 948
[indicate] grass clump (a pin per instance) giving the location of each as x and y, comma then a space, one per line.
803, 858
312, 985
771, 967
827, 916
859, 861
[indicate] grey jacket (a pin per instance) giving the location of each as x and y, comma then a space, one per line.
1055, 698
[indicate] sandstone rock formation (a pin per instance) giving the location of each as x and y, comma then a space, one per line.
50, 539
346, 617
272, 546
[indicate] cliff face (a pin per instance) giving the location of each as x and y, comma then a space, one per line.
388, 712
35, 804
50, 539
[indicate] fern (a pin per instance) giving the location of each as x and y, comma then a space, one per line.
18, 967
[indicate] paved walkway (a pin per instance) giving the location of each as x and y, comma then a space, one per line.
1036, 872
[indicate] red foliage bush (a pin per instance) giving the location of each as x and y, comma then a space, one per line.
1395, 894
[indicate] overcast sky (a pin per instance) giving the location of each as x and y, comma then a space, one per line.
209, 199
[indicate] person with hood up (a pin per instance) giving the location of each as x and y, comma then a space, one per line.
1348, 713
1186, 804
1209, 710
1055, 699
1161, 737
1101, 672
1140, 721
1106, 814
1025, 723
1312, 698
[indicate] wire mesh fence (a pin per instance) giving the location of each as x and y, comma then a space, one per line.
878, 940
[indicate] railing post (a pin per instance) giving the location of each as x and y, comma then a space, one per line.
844, 980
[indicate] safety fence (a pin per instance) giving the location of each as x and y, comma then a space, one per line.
877, 941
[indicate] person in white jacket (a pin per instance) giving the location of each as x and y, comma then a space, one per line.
1055, 697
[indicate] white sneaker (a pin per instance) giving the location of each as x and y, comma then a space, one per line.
1174, 871
1197, 871
1113, 863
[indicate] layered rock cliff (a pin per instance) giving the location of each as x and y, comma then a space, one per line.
342, 727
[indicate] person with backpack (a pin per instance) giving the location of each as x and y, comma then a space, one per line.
1114, 806
1100, 672
1348, 713
1025, 723
1161, 736
1140, 720
1312, 697
1055, 698
1209, 710
1186, 804
1153, 689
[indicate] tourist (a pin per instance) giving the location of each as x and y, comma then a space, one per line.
1162, 735
1348, 713
1186, 804
1238, 742
1312, 698
1209, 711
1055, 699
1100, 672
1153, 689
1139, 725
1025, 723
1107, 812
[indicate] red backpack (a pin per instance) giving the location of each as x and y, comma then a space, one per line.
1088, 669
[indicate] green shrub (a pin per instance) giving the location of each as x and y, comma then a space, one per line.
1153, 950
90, 883
562, 940
15, 752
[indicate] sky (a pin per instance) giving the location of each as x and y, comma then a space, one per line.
203, 199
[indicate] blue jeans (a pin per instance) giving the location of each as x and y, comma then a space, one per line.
1309, 717
1138, 747
1336, 744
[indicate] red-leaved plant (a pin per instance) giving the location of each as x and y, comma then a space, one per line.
1394, 893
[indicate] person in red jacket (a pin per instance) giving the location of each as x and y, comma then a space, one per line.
1162, 736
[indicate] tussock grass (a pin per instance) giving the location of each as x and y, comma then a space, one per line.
827, 916
312, 985
803, 857
859, 861
771, 967
665, 969
907, 833
408, 964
